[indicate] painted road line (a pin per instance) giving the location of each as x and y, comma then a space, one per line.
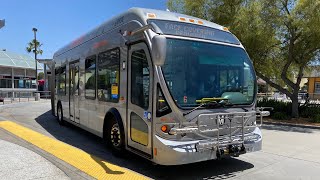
85, 162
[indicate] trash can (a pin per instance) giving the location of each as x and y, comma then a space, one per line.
37, 96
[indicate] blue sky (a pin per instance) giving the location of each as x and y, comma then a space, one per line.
58, 21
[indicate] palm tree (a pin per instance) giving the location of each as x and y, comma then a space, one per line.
31, 47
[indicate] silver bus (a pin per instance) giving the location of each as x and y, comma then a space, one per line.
172, 88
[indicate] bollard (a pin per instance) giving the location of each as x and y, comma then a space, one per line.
37, 96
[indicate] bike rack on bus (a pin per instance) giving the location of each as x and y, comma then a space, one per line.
234, 122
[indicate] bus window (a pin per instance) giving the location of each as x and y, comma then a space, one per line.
140, 79
108, 75
139, 129
162, 105
61, 81
90, 77
56, 80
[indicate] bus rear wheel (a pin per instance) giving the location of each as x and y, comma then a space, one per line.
60, 115
116, 137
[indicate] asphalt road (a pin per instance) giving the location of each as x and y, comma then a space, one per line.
288, 152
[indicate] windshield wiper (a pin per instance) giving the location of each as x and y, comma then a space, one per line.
210, 103
205, 100
203, 104
226, 103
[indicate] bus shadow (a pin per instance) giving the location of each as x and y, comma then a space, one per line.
74, 136
105, 167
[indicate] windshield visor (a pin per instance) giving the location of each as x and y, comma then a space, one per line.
195, 70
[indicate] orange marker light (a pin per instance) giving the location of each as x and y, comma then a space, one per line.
200, 22
155, 152
225, 28
182, 19
164, 128
128, 33
191, 20
151, 15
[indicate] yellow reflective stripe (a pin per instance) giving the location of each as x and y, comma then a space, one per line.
139, 136
85, 162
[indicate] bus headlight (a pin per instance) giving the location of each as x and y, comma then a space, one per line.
252, 137
176, 131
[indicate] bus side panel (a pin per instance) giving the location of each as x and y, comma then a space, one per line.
92, 111
114, 40
63, 98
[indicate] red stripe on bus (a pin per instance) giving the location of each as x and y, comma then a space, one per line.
100, 44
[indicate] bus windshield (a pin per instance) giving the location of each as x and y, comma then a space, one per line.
195, 70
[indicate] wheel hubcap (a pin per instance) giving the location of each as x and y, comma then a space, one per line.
115, 135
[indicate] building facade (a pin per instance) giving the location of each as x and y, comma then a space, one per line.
17, 72
313, 82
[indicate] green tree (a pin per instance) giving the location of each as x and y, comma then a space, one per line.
31, 47
281, 36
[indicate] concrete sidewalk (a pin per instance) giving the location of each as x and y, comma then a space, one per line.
32, 126
17, 162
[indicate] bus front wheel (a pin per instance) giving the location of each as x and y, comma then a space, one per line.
116, 137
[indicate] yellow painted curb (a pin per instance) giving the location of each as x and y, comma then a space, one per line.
85, 162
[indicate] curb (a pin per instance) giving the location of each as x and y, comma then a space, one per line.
291, 125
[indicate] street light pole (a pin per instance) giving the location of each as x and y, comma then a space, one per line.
35, 54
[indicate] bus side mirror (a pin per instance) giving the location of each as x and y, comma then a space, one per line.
159, 48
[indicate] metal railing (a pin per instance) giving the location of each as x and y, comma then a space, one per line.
311, 98
14, 96
274, 96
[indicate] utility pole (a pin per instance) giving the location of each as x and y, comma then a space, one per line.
35, 54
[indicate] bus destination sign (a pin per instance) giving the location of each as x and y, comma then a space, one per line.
192, 30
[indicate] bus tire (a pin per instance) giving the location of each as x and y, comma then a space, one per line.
116, 138
60, 114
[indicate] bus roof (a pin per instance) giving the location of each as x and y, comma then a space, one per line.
139, 14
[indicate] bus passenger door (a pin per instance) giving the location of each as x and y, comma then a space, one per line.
140, 77
74, 92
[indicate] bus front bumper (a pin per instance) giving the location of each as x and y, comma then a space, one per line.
184, 152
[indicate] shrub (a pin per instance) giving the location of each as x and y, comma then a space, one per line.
278, 106
280, 116
312, 112
309, 112
316, 118
282, 110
